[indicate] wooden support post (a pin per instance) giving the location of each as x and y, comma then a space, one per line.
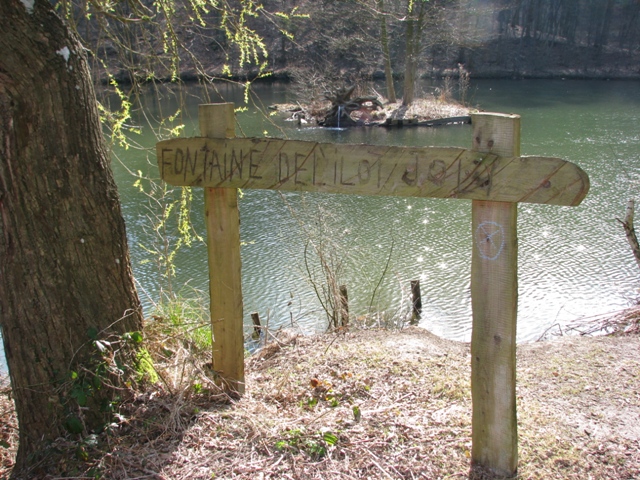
223, 244
416, 302
494, 295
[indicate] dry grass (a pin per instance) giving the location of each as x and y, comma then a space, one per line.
626, 322
427, 108
370, 404
8, 429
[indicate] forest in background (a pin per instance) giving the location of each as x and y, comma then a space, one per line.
355, 39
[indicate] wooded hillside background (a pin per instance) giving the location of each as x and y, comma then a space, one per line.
344, 38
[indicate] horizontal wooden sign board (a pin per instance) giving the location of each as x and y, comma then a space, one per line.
438, 172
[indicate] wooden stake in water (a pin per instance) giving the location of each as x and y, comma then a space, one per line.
416, 302
344, 306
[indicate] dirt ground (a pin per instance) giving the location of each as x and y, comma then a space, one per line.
371, 404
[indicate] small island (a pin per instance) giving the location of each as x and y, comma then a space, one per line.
340, 109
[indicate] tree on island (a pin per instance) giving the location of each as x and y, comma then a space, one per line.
421, 23
415, 20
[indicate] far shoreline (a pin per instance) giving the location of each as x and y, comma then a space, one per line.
285, 76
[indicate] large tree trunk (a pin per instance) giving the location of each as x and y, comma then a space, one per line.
65, 274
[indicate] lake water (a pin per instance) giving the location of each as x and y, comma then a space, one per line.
574, 262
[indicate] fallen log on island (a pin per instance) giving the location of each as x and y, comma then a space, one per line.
414, 122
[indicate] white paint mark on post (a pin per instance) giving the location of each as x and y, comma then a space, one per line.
489, 240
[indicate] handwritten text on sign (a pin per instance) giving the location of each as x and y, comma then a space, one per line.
369, 170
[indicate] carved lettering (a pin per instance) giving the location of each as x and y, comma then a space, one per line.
205, 164
164, 161
382, 183
298, 168
253, 166
213, 162
235, 164
318, 167
178, 161
437, 172
364, 172
363, 169
190, 165
283, 157
342, 182
410, 176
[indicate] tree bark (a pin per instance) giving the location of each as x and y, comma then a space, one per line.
65, 269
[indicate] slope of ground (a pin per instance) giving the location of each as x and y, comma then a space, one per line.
374, 404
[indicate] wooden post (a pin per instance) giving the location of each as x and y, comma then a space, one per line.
494, 295
630, 230
344, 306
257, 326
223, 245
416, 302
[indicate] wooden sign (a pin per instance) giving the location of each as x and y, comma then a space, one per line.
492, 174
295, 165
